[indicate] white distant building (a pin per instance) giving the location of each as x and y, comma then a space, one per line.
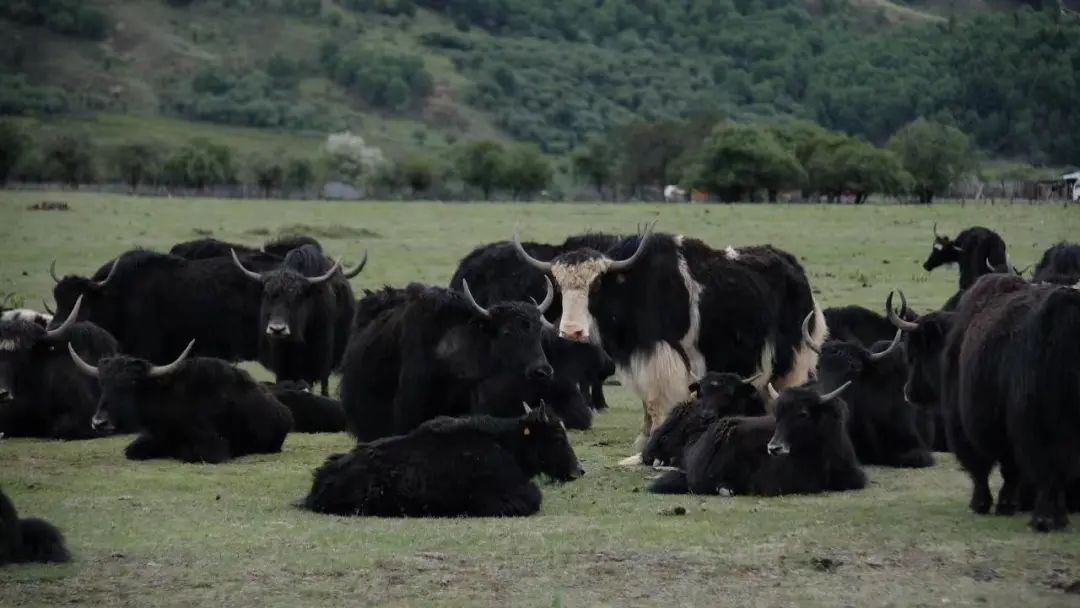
1072, 185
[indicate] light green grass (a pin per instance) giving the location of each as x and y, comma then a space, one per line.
165, 533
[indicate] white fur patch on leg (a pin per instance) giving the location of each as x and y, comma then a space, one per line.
631, 461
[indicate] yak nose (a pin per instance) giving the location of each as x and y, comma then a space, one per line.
777, 449
100, 423
577, 474
5, 395
539, 372
277, 329
573, 333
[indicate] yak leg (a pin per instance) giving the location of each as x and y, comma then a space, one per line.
660, 378
1009, 496
1050, 512
324, 386
599, 401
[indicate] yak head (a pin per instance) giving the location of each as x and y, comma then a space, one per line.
924, 345
290, 296
807, 422
841, 361
944, 251
503, 339
23, 344
578, 274
88, 290
547, 448
121, 377
726, 394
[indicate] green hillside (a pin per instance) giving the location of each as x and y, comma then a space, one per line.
410, 74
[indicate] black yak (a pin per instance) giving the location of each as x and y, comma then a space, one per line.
427, 350
42, 394
861, 325
1059, 264
311, 413
300, 325
477, 466
976, 250
28, 539
884, 428
667, 308
193, 409
805, 449
716, 396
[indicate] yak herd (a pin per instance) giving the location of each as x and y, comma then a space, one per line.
460, 396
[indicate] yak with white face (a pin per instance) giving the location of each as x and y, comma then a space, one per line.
668, 308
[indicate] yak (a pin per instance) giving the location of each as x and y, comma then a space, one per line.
7, 313
667, 308
1059, 264
977, 251
861, 325
884, 428
477, 466
42, 394
804, 449
28, 539
716, 396
502, 395
195, 409
311, 413
501, 275
426, 350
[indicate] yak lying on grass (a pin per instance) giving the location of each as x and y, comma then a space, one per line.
715, 396
421, 352
29, 539
883, 426
311, 413
193, 409
478, 466
1059, 264
42, 394
805, 449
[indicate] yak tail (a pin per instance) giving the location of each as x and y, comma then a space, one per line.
41, 542
671, 482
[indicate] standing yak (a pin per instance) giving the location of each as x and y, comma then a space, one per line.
976, 251
501, 275
427, 350
302, 332
667, 308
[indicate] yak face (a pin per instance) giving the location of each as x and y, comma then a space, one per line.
578, 274
944, 251
288, 302
547, 445
924, 346
806, 421
18, 341
87, 293
666, 444
515, 340
841, 361
728, 395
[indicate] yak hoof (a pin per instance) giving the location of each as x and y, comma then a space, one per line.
980, 504
1005, 508
724, 492
1044, 523
631, 461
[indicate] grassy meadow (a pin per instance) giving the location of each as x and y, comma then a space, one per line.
165, 533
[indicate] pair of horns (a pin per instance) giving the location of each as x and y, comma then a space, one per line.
156, 371
542, 306
97, 284
774, 394
258, 276
612, 264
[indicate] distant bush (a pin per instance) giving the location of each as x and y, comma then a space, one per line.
384, 80
17, 96
136, 163
67, 155
386, 7
252, 99
199, 164
445, 40
14, 145
69, 17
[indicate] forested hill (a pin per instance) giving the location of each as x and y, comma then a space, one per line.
556, 72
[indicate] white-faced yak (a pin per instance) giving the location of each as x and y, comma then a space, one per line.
194, 409
477, 466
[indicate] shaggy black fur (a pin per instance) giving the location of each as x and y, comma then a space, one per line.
311, 413
29, 539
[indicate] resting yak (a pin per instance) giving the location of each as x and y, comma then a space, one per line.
1059, 264
28, 539
423, 351
311, 413
477, 466
42, 394
805, 449
716, 396
193, 409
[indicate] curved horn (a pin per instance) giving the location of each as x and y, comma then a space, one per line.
163, 370
835, 393
83, 366
806, 334
773, 393
73, 316
936, 235
108, 277
896, 320
52, 272
472, 301
548, 298
535, 263
45, 305
628, 262
324, 278
254, 276
891, 348
526, 406
349, 274
752, 379
990, 266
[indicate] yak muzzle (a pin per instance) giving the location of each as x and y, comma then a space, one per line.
777, 448
540, 372
6, 395
278, 329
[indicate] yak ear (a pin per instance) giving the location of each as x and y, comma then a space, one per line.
463, 350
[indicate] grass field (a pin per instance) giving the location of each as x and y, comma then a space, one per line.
164, 533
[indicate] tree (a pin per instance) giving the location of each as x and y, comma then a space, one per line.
934, 154
68, 157
416, 172
299, 173
349, 159
649, 149
268, 172
136, 162
737, 160
849, 165
199, 164
14, 145
480, 164
595, 163
525, 172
